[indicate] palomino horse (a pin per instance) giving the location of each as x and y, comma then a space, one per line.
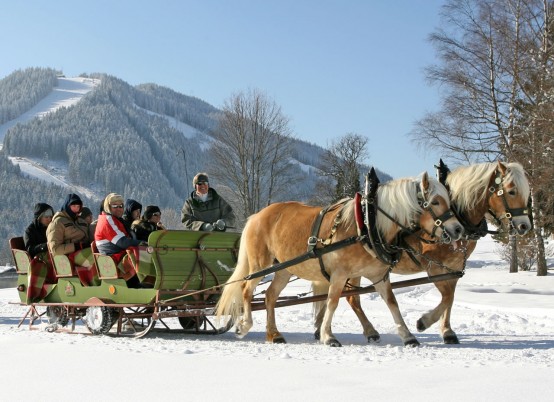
498, 189
280, 232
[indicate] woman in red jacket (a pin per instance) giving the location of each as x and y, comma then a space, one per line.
113, 239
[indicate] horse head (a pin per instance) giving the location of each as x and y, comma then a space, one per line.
420, 203
508, 195
437, 218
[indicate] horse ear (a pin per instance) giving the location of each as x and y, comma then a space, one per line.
442, 172
425, 182
502, 168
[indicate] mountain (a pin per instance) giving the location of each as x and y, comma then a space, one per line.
96, 134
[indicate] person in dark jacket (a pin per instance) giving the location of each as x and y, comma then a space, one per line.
205, 209
88, 217
150, 222
131, 213
35, 234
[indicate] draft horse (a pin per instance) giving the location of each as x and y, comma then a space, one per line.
280, 232
497, 190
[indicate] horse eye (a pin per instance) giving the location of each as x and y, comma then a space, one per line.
435, 202
512, 192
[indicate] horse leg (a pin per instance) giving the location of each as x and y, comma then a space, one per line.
335, 291
385, 290
245, 322
319, 288
369, 331
280, 280
442, 311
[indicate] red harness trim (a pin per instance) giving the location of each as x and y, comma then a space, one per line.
358, 213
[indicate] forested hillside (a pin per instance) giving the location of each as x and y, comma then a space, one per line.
23, 89
144, 142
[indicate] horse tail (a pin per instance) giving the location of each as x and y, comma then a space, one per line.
231, 301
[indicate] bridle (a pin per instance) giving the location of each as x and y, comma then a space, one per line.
438, 220
509, 213
370, 201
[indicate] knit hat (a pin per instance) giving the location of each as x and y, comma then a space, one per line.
150, 210
42, 209
200, 177
85, 211
111, 199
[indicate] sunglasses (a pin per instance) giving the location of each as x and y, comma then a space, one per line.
157, 214
201, 183
117, 206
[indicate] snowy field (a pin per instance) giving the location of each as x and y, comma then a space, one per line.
505, 323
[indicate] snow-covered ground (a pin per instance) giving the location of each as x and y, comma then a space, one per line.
505, 323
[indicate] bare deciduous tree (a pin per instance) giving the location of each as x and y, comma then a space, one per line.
496, 70
251, 151
340, 164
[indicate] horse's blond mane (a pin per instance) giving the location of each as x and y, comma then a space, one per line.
469, 185
398, 198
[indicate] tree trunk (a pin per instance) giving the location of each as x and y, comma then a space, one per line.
513, 249
541, 254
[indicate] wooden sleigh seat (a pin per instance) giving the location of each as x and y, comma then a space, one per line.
40, 276
64, 268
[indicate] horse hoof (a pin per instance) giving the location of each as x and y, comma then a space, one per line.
420, 325
317, 335
374, 338
333, 343
451, 340
279, 339
412, 343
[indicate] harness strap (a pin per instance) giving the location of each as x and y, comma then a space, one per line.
409, 250
316, 252
314, 239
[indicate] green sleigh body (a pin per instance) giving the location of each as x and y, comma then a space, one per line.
173, 261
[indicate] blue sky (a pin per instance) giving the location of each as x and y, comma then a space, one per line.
334, 67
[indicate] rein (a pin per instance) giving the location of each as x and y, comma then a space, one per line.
315, 253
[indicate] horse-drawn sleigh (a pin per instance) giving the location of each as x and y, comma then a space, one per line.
194, 278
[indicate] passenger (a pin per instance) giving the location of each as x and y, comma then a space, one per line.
86, 215
131, 213
69, 234
34, 238
93, 224
113, 239
205, 209
150, 222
